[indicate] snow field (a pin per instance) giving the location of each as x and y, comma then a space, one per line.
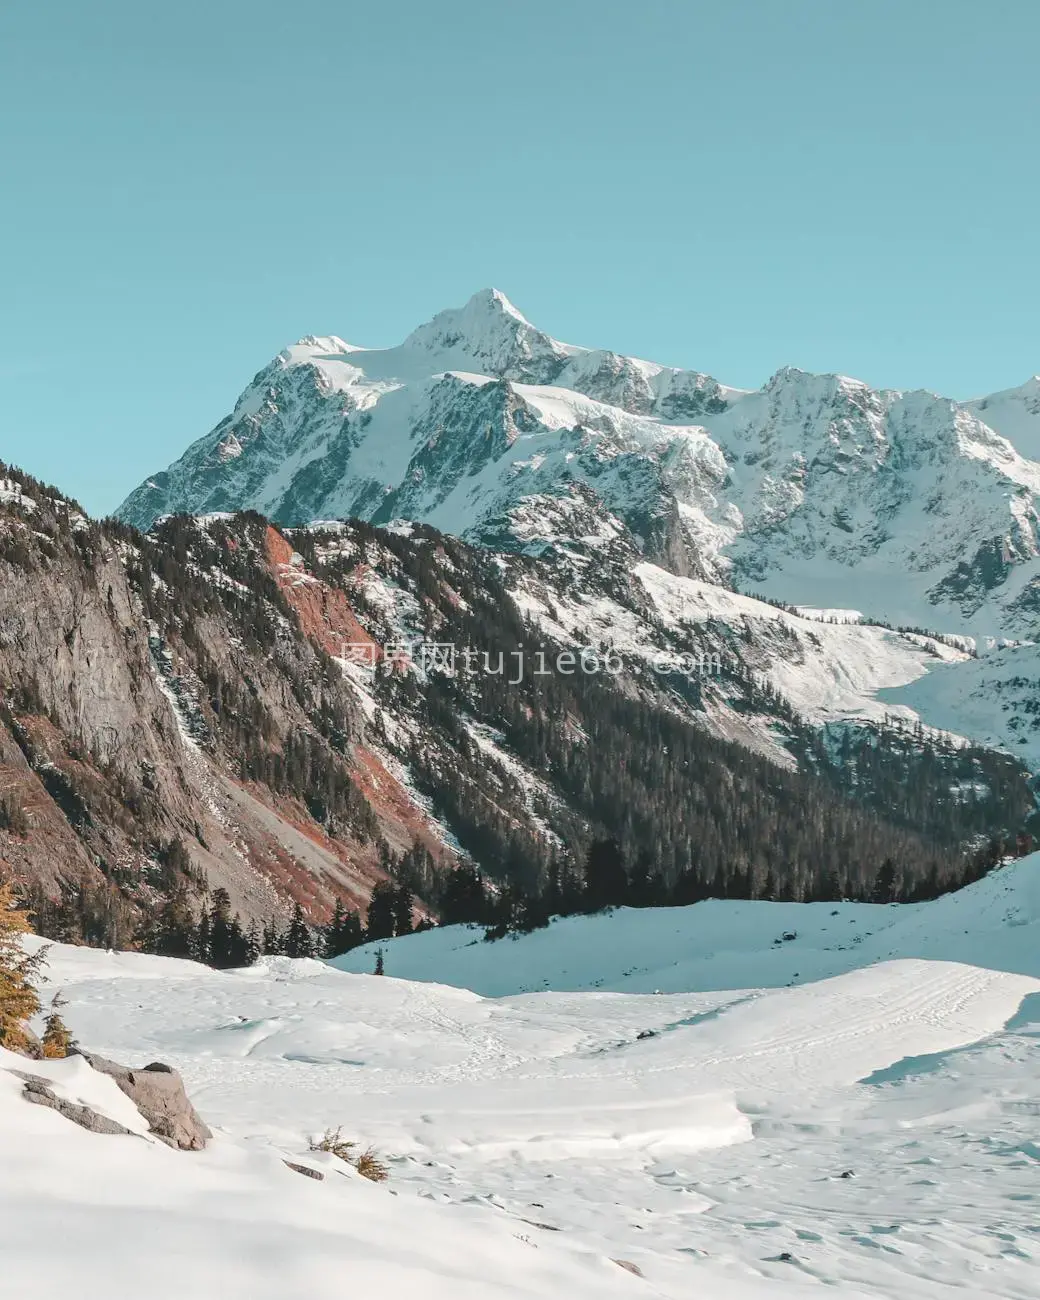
870, 1126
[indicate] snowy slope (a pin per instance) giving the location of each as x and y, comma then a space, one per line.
1015, 414
828, 671
122, 1217
479, 421
995, 699
994, 923
872, 1130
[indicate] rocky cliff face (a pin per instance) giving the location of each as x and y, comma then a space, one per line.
178, 688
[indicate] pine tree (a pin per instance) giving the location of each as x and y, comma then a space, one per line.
334, 930
606, 882
344, 932
175, 866
299, 942
254, 944
18, 998
201, 943
464, 899
645, 887
403, 910
221, 936
382, 911
885, 883
274, 940
57, 1039
175, 933
238, 943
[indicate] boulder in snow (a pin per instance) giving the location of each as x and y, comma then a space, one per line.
158, 1093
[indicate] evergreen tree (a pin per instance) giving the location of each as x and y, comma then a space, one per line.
885, 883
606, 882
57, 1040
382, 911
254, 944
332, 936
403, 901
224, 951
274, 940
18, 998
201, 942
299, 942
344, 932
645, 887
175, 866
463, 898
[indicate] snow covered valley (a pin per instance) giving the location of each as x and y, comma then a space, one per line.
856, 1106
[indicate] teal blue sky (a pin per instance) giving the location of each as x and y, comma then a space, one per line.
185, 188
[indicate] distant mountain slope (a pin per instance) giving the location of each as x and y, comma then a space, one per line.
816, 488
190, 706
995, 699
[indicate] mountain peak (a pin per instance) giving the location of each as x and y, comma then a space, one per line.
488, 335
486, 317
495, 300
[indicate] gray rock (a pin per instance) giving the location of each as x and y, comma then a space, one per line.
629, 1267
303, 1169
158, 1092
39, 1092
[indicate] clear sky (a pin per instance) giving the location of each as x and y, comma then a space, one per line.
732, 185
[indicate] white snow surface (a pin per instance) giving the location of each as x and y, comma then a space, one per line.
701, 1133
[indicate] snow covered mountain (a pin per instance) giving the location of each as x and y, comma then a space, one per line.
814, 489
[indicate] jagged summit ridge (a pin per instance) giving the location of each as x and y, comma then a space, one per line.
814, 488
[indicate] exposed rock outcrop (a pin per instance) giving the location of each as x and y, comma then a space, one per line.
158, 1092
40, 1093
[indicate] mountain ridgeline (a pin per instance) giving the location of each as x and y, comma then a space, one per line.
221, 708
490, 429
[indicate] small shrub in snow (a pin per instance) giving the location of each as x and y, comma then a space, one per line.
371, 1167
366, 1162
